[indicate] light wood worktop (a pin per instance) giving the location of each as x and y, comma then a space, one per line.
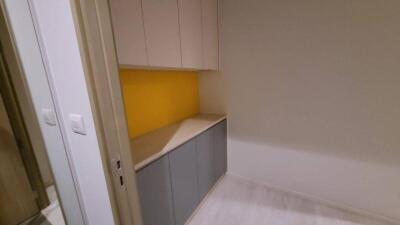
151, 146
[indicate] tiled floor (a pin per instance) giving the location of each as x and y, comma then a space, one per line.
235, 201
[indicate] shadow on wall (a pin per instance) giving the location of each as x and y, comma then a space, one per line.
351, 116
313, 77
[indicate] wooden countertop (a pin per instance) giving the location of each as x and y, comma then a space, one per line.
151, 146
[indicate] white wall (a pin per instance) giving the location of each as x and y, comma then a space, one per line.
22, 27
36, 138
60, 50
312, 93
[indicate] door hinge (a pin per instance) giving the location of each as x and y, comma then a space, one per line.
118, 172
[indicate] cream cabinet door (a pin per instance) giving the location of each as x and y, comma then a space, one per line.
190, 20
210, 34
161, 24
129, 34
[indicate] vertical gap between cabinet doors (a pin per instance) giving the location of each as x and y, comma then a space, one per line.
144, 33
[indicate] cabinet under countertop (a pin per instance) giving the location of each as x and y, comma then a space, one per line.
182, 164
150, 147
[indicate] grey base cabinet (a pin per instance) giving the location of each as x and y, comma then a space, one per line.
205, 162
171, 187
155, 193
184, 181
220, 149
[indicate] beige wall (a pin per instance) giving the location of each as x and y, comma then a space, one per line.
312, 89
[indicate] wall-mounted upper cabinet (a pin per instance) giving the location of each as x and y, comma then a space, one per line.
180, 34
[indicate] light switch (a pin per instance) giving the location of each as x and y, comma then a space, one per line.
49, 117
77, 124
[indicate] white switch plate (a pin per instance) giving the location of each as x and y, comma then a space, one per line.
49, 117
77, 124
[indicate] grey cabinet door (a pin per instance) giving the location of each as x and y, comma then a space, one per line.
205, 162
154, 186
220, 151
183, 166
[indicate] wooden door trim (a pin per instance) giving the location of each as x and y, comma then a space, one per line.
96, 41
9, 69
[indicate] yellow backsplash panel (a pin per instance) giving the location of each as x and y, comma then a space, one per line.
155, 98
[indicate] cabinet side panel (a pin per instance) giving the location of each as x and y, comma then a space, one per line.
210, 34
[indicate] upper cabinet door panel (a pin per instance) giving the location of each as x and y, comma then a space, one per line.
210, 34
129, 32
190, 20
161, 24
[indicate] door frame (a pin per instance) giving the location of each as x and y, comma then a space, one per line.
22, 117
96, 41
